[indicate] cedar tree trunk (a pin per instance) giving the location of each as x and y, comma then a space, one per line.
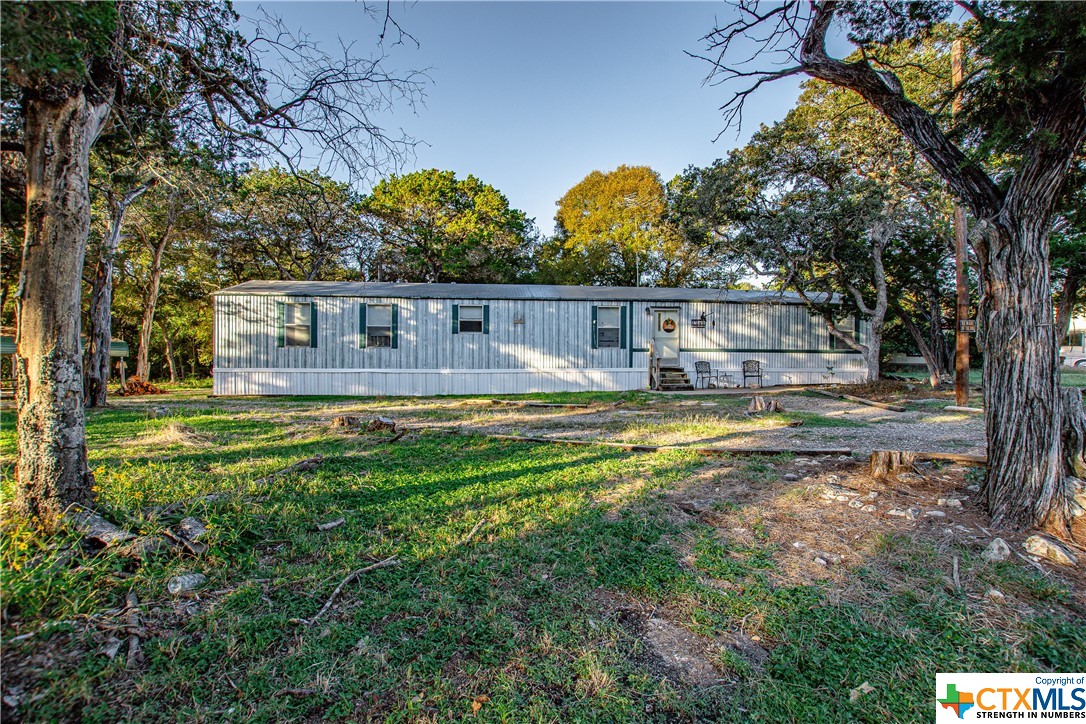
1024, 485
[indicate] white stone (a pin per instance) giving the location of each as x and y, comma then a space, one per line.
997, 550
896, 512
868, 509
935, 514
950, 502
996, 596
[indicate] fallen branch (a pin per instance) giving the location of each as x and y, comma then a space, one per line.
396, 437
331, 524
469, 536
135, 654
95, 526
861, 400
636, 447
530, 403
391, 561
959, 408
302, 466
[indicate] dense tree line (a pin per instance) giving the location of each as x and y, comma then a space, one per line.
153, 154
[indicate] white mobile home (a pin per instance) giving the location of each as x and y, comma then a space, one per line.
366, 338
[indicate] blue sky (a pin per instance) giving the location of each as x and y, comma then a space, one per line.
532, 96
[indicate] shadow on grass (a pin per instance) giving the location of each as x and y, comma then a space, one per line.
514, 619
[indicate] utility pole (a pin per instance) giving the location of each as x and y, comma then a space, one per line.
965, 324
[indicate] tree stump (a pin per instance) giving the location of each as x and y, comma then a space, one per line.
381, 423
346, 422
889, 462
759, 404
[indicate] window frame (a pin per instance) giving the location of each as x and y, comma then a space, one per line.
480, 321
390, 327
287, 325
853, 332
616, 328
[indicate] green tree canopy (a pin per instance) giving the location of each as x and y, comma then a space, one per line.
432, 227
616, 228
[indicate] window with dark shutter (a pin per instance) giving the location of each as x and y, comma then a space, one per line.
471, 319
297, 324
609, 327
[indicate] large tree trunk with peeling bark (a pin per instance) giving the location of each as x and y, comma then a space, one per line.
52, 471
1024, 486
99, 322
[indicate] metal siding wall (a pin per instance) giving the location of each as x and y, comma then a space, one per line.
551, 351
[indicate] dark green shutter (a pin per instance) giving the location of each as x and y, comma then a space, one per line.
622, 329
486, 319
312, 324
280, 324
363, 338
395, 326
456, 318
595, 338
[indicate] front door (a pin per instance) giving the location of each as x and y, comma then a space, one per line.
665, 336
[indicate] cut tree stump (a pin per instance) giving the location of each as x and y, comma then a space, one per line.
861, 400
381, 423
346, 422
888, 462
758, 404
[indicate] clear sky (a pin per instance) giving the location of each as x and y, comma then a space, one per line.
532, 96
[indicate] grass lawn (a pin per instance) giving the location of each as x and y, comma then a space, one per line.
552, 611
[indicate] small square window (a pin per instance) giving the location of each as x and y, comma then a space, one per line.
378, 325
471, 318
296, 327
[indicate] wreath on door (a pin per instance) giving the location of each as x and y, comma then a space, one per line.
668, 325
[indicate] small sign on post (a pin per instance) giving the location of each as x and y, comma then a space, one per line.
968, 325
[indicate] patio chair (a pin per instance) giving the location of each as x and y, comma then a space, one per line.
752, 370
704, 372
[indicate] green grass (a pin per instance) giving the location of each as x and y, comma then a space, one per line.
518, 615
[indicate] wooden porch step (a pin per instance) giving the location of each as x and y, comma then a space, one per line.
674, 378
